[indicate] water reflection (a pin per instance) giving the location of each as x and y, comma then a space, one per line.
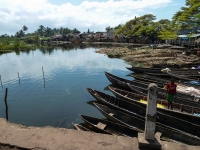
44, 97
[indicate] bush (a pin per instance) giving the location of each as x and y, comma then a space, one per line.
16, 45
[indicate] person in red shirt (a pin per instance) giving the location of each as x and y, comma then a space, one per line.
171, 93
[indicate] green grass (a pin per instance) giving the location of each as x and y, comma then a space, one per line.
14, 44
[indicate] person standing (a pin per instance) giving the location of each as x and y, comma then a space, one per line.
171, 93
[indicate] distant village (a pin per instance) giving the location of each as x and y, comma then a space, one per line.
184, 38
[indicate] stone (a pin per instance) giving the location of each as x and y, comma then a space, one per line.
149, 144
150, 123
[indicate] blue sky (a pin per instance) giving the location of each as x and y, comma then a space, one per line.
95, 15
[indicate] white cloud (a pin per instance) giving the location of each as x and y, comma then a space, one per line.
94, 15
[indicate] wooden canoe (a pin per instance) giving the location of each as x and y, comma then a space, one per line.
176, 76
81, 128
160, 83
165, 80
123, 83
142, 70
108, 127
133, 121
130, 96
158, 70
162, 95
181, 121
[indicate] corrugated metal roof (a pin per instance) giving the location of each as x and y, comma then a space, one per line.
182, 36
195, 35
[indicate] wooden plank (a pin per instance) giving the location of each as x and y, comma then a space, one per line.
101, 125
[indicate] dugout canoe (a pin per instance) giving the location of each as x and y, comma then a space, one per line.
130, 96
176, 76
181, 121
158, 70
81, 128
166, 80
160, 82
133, 121
162, 95
108, 127
123, 83
142, 70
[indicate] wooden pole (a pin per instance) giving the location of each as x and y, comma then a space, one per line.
19, 77
43, 77
5, 100
1, 82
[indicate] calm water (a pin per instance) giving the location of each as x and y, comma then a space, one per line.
61, 94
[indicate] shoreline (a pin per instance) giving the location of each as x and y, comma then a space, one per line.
18, 137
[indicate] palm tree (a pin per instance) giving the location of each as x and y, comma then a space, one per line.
75, 31
25, 28
61, 30
48, 31
41, 30
17, 35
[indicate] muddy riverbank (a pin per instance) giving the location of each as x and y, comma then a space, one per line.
146, 56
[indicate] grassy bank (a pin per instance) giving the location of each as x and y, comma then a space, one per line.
13, 44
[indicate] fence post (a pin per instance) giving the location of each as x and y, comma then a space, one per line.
1, 82
148, 139
5, 100
43, 77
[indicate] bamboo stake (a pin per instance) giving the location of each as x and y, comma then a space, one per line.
19, 77
43, 77
1, 82
5, 100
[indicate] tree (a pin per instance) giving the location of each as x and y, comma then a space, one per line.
41, 30
117, 27
24, 28
188, 16
61, 30
108, 29
75, 31
139, 27
48, 32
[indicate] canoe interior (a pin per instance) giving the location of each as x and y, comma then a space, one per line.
133, 121
138, 108
81, 128
162, 94
122, 83
110, 127
134, 96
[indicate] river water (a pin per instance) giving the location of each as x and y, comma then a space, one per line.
48, 87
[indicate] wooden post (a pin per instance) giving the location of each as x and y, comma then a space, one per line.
1, 82
19, 77
5, 100
43, 77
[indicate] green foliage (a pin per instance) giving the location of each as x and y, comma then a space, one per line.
167, 35
169, 31
143, 26
16, 45
188, 16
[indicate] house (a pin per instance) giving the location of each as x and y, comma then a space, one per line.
59, 38
188, 37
